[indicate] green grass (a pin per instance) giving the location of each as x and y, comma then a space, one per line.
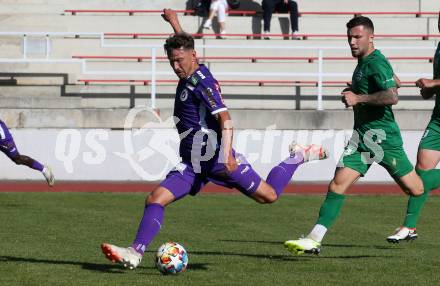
54, 238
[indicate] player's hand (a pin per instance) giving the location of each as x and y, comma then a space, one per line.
426, 93
348, 88
425, 83
231, 164
169, 15
349, 98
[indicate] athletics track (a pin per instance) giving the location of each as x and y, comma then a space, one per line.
137, 187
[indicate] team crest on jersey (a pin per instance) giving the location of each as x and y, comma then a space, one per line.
358, 76
194, 80
184, 95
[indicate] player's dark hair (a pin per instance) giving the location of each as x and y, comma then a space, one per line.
177, 41
361, 21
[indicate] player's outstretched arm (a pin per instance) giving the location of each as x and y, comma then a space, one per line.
428, 87
170, 16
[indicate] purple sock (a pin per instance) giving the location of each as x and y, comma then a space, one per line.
280, 175
148, 227
37, 166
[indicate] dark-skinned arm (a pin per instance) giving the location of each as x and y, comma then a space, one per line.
428, 87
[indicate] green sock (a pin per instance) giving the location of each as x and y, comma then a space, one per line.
431, 181
330, 209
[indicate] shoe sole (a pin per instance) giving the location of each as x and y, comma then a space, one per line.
51, 182
110, 254
51, 179
323, 153
407, 239
298, 250
113, 257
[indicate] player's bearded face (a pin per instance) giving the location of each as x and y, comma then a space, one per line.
183, 62
359, 39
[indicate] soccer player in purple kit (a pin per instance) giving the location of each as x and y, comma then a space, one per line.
206, 149
8, 147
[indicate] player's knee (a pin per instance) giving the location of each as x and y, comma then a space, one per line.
17, 160
416, 191
269, 197
336, 188
160, 196
153, 198
266, 196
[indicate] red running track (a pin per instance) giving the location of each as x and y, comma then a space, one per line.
138, 187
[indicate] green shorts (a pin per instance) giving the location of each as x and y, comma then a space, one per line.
431, 137
394, 161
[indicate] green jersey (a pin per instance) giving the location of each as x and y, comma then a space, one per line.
436, 112
372, 74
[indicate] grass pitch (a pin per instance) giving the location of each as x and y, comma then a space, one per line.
54, 239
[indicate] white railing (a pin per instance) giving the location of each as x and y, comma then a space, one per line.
319, 75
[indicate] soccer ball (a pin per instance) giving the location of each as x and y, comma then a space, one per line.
171, 258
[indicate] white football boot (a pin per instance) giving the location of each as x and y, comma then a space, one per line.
403, 233
127, 256
303, 245
309, 153
47, 173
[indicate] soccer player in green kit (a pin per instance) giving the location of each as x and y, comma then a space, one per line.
376, 136
428, 155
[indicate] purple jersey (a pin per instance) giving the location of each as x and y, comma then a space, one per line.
7, 144
5, 135
197, 100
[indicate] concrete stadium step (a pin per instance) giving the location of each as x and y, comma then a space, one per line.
243, 118
266, 97
30, 91
40, 102
429, 5
71, 69
58, 6
153, 23
62, 48
347, 5
221, 70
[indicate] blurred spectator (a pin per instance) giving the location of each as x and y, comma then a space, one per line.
200, 7
219, 7
269, 6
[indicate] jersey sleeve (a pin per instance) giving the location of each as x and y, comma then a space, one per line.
437, 63
382, 75
209, 93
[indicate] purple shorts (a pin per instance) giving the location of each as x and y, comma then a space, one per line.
182, 180
7, 144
